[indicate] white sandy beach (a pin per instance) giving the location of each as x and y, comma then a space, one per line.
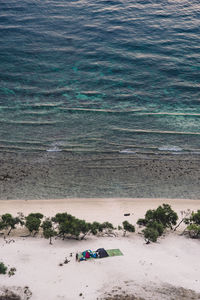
149, 271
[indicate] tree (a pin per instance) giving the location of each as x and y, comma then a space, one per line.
142, 222
9, 222
163, 214
128, 227
193, 224
150, 234
95, 228
156, 226
71, 226
33, 222
48, 230
157, 220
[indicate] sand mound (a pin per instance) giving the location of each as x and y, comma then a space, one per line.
15, 293
133, 291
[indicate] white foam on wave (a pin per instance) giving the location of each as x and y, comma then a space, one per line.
54, 149
127, 151
170, 148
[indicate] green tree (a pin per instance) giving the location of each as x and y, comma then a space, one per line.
157, 220
9, 222
33, 222
69, 225
48, 230
95, 228
128, 227
163, 214
150, 234
156, 226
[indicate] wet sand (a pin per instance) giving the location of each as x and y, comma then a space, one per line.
65, 175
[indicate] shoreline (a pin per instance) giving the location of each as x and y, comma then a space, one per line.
66, 175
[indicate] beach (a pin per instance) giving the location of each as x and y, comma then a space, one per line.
168, 269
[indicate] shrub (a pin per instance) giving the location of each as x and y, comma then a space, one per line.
3, 268
95, 228
156, 220
74, 227
9, 222
193, 224
150, 234
11, 272
156, 226
128, 227
142, 222
69, 225
163, 214
33, 222
48, 230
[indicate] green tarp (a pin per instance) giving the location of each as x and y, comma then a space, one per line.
111, 252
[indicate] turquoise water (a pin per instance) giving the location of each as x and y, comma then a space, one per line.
100, 76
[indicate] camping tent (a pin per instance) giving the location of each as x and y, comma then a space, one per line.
101, 252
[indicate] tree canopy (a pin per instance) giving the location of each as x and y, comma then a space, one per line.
156, 220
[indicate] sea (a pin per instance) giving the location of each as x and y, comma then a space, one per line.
100, 77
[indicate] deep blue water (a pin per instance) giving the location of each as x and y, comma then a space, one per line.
100, 76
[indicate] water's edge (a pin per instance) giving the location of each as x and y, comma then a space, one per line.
61, 175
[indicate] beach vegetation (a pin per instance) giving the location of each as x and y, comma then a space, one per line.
3, 268
142, 222
71, 226
163, 214
36, 215
33, 222
150, 234
127, 227
48, 231
11, 272
157, 220
105, 228
193, 224
95, 228
184, 216
9, 222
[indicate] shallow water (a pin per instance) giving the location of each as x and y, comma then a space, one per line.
99, 98
100, 76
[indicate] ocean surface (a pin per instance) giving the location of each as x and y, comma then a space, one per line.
100, 76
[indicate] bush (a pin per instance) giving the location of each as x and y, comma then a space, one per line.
9, 222
33, 222
69, 225
48, 230
3, 268
128, 227
163, 214
142, 222
151, 234
193, 224
156, 226
156, 220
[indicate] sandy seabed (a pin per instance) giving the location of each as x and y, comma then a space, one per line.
168, 269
